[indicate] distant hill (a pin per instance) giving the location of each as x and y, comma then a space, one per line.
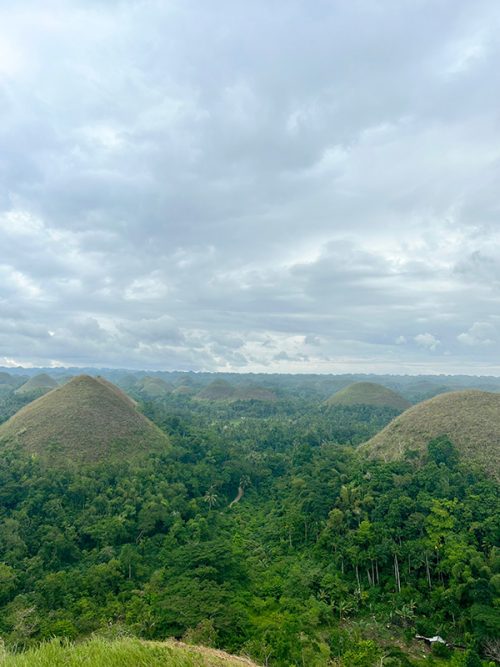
184, 386
184, 390
37, 384
471, 419
218, 390
421, 390
127, 381
185, 381
153, 387
368, 393
6, 379
86, 420
7, 385
62, 379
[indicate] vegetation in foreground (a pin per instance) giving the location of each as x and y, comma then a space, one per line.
125, 652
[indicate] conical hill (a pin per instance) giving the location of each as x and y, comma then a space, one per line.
218, 390
37, 384
470, 419
5, 378
86, 420
153, 387
368, 393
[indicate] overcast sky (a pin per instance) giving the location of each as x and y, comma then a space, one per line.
264, 185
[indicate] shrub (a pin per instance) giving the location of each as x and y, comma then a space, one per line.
363, 654
441, 650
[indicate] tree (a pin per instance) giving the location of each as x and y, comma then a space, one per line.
8, 580
442, 451
210, 498
472, 659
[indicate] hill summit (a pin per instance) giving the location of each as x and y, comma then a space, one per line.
86, 420
153, 387
37, 384
218, 390
368, 393
471, 419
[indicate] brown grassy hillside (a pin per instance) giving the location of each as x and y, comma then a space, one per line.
368, 393
86, 420
471, 419
218, 390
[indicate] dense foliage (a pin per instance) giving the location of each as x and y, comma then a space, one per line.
325, 556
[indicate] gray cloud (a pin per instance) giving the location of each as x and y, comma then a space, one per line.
280, 186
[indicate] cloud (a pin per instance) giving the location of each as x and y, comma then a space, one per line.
182, 187
427, 341
480, 333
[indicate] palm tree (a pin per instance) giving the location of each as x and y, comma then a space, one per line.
210, 498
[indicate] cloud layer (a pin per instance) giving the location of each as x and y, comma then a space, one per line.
277, 186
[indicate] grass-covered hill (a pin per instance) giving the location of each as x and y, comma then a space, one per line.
152, 387
86, 420
218, 390
7, 385
471, 419
368, 393
125, 652
421, 390
37, 384
6, 379
184, 386
183, 390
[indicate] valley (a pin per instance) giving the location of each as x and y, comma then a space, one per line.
118, 518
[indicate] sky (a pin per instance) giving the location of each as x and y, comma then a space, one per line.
264, 186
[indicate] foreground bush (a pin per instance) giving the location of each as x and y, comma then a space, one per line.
119, 653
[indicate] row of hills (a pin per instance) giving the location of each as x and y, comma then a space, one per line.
146, 387
323, 383
247, 386
88, 419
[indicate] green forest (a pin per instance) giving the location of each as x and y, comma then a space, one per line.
262, 531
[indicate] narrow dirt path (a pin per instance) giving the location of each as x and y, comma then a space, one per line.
241, 492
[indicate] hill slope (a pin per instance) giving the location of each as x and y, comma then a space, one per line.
153, 387
37, 384
123, 652
218, 390
471, 419
6, 379
86, 420
368, 393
